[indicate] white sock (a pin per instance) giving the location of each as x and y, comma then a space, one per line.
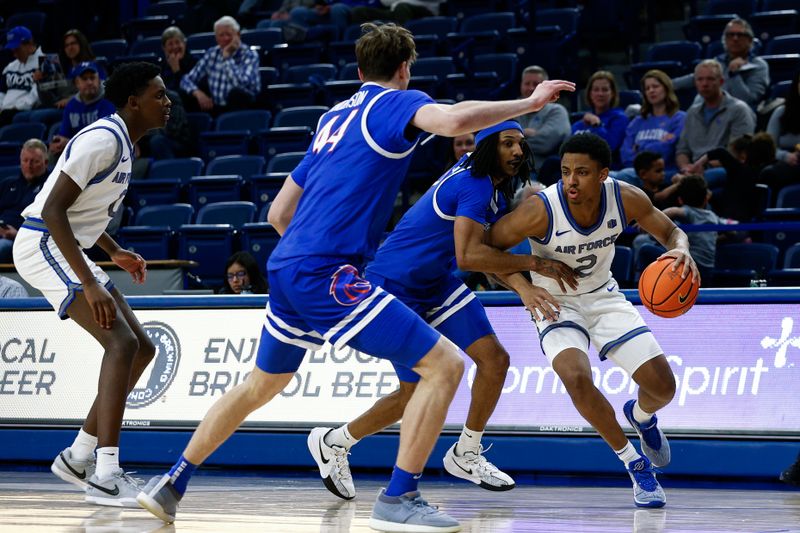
469, 441
83, 447
107, 461
340, 437
627, 454
641, 416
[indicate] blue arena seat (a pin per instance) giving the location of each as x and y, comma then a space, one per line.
201, 41
199, 121
260, 239
439, 67
792, 257
350, 71
174, 9
33, 20
770, 24
789, 196
8, 171
265, 38
438, 26
263, 213
284, 162
252, 120
783, 44
505, 65
110, 48
182, 168
684, 52
706, 29
234, 213
204, 190
314, 73
143, 193
743, 8
171, 216
147, 45
265, 187
208, 244
243, 165
307, 116
151, 242
566, 19
339, 91
284, 56
139, 28
782, 66
622, 265
283, 95
23, 131
47, 116
646, 254
217, 143
340, 53
499, 22
739, 263
281, 140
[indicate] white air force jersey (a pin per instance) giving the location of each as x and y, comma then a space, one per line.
589, 251
98, 159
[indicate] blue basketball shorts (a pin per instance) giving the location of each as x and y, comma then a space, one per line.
323, 299
451, 308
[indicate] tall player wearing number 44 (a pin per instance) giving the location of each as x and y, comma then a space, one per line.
576, 221
71, 212
337, 203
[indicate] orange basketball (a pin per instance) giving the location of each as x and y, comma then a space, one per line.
663, 292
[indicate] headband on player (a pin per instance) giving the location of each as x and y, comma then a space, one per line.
503, 126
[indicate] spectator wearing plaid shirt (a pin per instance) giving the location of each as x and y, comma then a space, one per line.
229, 71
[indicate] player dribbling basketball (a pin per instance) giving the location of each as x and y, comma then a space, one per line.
576, 221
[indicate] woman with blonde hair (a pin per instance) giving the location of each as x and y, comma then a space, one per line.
606, 119
660, 123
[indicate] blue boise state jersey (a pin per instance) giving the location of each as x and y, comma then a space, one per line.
350, 177
421, 251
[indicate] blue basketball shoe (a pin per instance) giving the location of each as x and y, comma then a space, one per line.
654, 443
647, 492
409, 512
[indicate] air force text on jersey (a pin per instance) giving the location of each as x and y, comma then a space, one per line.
586, 246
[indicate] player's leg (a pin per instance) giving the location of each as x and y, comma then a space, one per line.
109, 485
141, 359
460, 317
330, 446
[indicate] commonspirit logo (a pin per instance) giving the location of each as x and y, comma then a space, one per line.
694, 377
161, 371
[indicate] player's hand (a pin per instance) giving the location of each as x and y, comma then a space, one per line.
541, 304
104, 309
549, 91
684, 261
131, 262
552, 268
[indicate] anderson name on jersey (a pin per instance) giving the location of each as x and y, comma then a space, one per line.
588, 250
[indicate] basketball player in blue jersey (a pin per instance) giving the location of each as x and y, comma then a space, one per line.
577, 221
445, 228
338, 201
71, 212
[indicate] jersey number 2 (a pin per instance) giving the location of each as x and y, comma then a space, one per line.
586, 269
324, 135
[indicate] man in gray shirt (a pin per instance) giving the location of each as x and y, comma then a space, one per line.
547, 128
714, 121
746, 76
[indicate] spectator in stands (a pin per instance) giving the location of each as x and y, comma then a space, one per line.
649, 167
784, 127
606, 118
242, 275
399, 11
458, 146
748, 156
85, 107
281, 16
176, 61
76, 50
693, 195
19, 92
328, 12
712, 122
18, 192
547, 128
660, 122
230, 71
11, 289
746, 76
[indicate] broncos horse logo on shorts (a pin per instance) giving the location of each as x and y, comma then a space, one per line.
347, 287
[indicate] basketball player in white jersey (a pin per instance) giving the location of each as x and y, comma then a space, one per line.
71, 212
577, 221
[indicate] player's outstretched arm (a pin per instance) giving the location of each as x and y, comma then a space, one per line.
283, 206
54, 213
638, 207
471, 116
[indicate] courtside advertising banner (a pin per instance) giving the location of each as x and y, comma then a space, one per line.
736, 368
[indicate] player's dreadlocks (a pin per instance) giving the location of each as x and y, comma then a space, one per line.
484, 163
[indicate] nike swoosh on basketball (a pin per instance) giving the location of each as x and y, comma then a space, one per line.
110, 492
79, 475
683, 298
560, 233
